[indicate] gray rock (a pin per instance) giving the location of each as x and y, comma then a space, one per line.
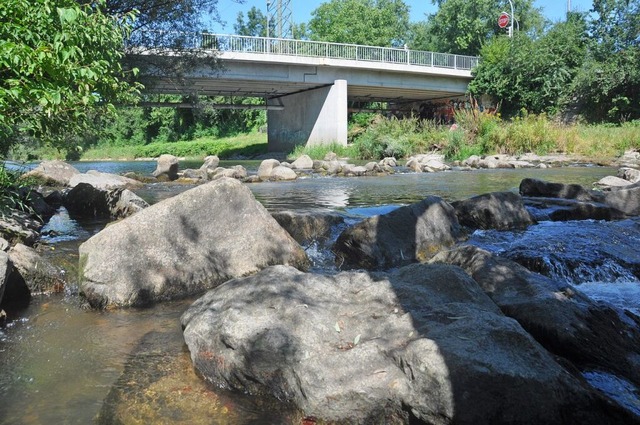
422, 344
332, 167
211, 162
4, 245
40, 275
235, 172
498, 210
5, 269
14, 292
265, 170
19, 227
557, 315
167, 167
304, 162
388, 162
283, 173
306, 227
330, 157
612, 181
557, 209
625, 199
104, 181
184, 245
631, 174
540, 188
411, 233
196, 175
85, 200
54, 173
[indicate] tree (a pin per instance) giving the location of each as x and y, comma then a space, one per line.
508, 73
59, 62
256, 25
464, 26
166, 15
608, 85
365, 22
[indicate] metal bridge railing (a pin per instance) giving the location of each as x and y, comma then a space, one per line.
302, 48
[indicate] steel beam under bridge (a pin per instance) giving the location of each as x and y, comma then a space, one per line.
307, 97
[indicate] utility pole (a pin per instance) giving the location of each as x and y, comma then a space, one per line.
568, 6
281, 13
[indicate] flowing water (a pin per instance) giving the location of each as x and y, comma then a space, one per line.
61, 363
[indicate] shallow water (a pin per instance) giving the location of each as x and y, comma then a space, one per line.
59, 360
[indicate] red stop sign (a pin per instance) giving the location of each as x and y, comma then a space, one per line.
503, 20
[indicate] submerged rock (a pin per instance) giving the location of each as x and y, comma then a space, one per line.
423, 344
412, 233
558, 316
184, 245
158, 385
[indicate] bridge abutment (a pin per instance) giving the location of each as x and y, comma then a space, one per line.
312, 117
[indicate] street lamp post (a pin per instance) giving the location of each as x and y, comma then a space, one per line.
512, 19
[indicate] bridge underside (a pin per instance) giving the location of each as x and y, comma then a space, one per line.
309, 101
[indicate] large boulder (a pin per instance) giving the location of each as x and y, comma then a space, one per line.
266, 168
19, 227
557, 209
306, 227
498, 210
14, 292
625, 199
423, 344
5, 269
87, 201
630, 174
184, 245
40, 275
541, 188
103, 181
408, 234
53, 173
558, 316
167, 167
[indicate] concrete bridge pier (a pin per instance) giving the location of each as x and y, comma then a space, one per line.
311, 117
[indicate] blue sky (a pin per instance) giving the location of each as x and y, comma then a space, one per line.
301, 10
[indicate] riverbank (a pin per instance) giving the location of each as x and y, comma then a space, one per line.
372, 137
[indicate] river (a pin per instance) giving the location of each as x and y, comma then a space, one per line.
59, 360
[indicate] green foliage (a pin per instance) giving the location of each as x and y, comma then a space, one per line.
256, 24
246, 145
464, 26
399, 138
320, 151
509, 75
59, 61
14, 192
367, 22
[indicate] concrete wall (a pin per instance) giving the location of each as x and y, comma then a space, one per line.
312, 117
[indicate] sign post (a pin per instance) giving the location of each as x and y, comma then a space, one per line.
503, 20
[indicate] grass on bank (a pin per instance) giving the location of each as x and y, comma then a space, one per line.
242, 145
474, 134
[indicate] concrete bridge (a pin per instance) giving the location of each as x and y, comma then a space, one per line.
307, 86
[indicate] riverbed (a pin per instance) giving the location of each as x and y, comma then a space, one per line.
59, 361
